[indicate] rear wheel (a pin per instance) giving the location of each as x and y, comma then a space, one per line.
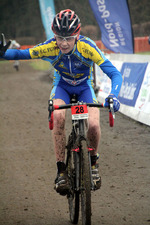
73, 196
85, 185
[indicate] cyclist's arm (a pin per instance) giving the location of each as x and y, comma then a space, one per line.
99, 58
16, 54
89, 50
114, 75
40, 51
110, 70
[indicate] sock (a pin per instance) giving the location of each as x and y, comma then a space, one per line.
61, 167
94, 158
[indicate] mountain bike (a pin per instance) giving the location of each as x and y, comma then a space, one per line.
78, 162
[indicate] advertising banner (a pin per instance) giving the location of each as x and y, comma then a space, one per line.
103, 81
133, 74
47, 14
114, 21
143, 101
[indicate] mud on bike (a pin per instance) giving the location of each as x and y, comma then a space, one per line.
78, 160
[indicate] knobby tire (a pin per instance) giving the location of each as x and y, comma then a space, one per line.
85, 185
73, 198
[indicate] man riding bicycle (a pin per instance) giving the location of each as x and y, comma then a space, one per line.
72, 55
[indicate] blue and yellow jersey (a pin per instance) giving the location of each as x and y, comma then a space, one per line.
74, 68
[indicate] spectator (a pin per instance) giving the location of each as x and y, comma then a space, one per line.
15, 45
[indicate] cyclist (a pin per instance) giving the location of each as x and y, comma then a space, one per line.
72, 55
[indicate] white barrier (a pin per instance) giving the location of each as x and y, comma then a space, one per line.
135, 92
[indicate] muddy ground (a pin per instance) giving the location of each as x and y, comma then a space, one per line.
27, 161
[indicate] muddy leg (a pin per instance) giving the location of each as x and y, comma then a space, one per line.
94, 132
59, 138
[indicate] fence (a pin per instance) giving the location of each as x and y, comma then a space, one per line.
141, 44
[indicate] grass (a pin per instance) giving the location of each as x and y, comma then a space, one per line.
40, 65
35, 64
3, 62
143, 53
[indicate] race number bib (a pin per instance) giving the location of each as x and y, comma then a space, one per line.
79, 112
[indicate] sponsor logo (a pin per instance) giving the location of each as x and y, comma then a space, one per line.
35, 53
51, 49
77, 64
87, 51
74, 75
74, 82
62, 65
43, 51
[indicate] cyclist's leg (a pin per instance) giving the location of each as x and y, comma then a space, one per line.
94, 132
60, 97
58, 132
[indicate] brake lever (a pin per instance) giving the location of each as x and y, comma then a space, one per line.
50, 109
111, 102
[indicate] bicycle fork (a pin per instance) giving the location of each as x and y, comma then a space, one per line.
77, 171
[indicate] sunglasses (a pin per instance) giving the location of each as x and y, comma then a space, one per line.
68, 39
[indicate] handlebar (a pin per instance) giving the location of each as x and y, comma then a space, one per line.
52, 107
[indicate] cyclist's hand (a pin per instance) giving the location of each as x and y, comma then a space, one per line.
3, 45
116, 103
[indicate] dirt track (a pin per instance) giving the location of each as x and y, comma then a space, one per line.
27, 162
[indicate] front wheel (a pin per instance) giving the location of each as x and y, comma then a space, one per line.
85, 185
73, 197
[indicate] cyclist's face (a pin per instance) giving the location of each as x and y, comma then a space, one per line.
66, 44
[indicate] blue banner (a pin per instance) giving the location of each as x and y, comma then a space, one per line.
47, 14
133, 74
114, 21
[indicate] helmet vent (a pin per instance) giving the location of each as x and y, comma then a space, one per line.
66, 23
